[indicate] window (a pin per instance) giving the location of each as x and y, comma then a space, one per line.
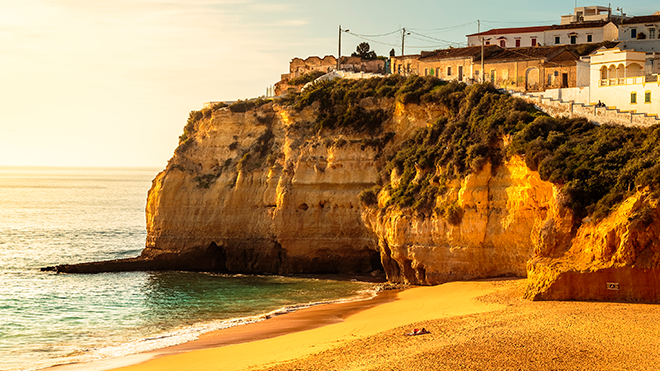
590, 38
533, 42
503, 43
633, 98
574, 39
647, 97
518, 43
633, 33
651, 33
448, 71
487, 42
557, 40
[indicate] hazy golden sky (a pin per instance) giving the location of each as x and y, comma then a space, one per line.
110, 83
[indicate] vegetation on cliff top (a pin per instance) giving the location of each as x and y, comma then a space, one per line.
340, 101
596, 167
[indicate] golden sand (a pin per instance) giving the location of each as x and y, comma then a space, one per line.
479, 325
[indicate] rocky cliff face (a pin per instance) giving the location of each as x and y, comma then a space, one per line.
502, 213
259, 192
272, 190
614, 259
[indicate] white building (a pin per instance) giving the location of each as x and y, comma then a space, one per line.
641, 33
588, 14
510, 37
618, 79
581, 33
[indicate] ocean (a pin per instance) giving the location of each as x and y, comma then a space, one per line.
51, 216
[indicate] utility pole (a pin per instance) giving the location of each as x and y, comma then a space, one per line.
482, 50
403, 40
483, 76
339, 53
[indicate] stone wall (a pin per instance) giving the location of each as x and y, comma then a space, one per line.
600, 115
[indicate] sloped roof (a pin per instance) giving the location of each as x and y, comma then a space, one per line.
533, 52
643, 19
473, 52
502, 31
576, 26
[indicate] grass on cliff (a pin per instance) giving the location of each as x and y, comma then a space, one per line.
596, 167
340, 101
305, 78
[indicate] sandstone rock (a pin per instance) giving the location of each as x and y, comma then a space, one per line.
615, 259
503, 211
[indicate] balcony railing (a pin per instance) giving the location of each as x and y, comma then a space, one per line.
628, 80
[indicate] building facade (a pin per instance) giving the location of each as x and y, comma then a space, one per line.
509, 37
524, 69
618, 79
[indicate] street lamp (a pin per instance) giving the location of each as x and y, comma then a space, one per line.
339, 53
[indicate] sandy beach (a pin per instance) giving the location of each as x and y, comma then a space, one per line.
477, 325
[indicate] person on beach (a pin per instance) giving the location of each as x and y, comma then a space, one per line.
419, 332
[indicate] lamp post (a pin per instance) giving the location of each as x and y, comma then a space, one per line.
339, 53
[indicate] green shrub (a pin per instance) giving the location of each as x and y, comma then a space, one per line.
205, 181
242, 106
305, 78
369, 197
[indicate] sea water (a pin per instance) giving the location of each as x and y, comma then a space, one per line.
51, 216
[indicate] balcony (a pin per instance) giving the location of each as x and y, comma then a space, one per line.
628, 80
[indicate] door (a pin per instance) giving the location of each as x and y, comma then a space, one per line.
564, 80
460, 73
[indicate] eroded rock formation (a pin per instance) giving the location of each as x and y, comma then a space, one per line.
615, 259
265, 191
258, 192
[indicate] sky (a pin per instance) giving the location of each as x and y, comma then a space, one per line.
99, 83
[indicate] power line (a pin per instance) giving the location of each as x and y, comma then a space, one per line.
444, 28
385, 34
434, 39
530, 22
371, 40
431, 46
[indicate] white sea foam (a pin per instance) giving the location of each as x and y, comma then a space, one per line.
186, 334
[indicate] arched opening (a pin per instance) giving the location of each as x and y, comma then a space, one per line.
611, 73
620, 71
603, 73
532, 79
634, 70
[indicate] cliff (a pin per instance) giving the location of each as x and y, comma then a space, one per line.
260, 192
616, 259
502, 211
425, 181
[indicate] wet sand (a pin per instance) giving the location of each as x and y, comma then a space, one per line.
479, 325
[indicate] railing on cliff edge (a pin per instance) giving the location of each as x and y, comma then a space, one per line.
598, 115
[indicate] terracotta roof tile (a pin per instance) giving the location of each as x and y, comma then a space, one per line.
643, 19
501, 31
468, 52
575, 26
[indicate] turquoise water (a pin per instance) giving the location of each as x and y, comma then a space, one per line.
52, 216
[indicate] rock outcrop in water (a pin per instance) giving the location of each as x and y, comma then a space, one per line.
425, 182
